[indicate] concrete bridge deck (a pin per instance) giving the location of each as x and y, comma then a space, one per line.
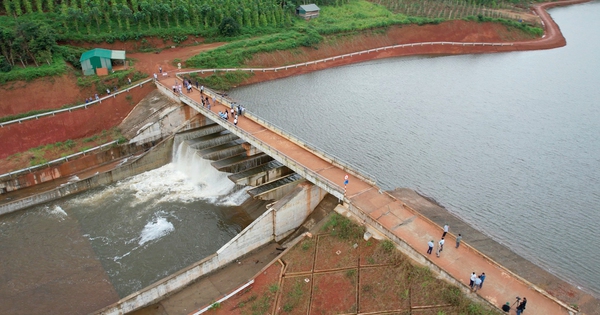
384, 211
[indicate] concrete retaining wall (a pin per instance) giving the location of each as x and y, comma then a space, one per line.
155, 157
170, 120
68, 168
255, 235
293, 209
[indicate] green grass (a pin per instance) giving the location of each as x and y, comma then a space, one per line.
357, 15
58, 67
343, 228
221, 80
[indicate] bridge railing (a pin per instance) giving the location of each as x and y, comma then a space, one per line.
266, 148
68, 109
355, 171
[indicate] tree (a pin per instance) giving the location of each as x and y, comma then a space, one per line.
7, 38
39, 6
229, 27
5, 66
127, 14
50, 5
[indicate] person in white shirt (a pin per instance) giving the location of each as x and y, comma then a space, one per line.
473, 277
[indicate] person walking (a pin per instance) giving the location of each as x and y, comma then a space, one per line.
235, 121
442, 241
482, 277
521, 306
476, 284
155, 77
446, 227
430, 247
472, 282
458, 239
159, 69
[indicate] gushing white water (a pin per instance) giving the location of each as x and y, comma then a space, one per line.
200, 172
57, 212
188, 178
155, 230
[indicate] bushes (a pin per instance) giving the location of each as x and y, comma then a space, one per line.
229, 27
71, 55
234, 54
58, 67
223, 80
536, 31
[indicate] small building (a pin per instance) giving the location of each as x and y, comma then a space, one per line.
99, 58
308, 11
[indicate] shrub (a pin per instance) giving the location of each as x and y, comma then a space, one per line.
229, 27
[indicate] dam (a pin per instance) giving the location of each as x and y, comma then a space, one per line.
378, 176
259, 154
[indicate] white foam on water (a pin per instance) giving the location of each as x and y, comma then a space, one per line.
56, 211
188, 178
155, 230
73, 178
236, 198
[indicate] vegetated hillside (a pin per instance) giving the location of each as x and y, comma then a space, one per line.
29, 29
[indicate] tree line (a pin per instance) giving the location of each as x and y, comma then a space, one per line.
26, 43
92, 16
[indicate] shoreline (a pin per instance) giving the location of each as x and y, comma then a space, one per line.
552, 38
554, 285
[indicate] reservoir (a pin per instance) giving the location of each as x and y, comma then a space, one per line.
509, 142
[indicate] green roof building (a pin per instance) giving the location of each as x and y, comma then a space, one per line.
308, 11
99, 58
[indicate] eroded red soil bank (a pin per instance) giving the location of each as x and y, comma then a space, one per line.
70, 125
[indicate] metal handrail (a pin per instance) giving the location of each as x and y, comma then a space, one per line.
356, 171
251, 138
58, 111
344, 56
62, 159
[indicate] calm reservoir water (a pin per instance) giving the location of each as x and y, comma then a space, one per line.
509, 142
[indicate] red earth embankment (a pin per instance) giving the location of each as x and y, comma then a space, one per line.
451, 31
45, 93
70, 125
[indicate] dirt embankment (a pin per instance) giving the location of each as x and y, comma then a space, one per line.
70, 125
454, 31
45, 93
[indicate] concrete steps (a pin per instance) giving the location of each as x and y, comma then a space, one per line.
211, 140
223, 151
271, 179
262, 174
276, 189
241, 162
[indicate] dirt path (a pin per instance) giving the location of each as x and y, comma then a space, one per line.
149, 62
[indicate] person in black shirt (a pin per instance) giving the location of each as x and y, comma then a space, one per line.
521, 306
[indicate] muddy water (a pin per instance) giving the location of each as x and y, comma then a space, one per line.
509, 142
80, 254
